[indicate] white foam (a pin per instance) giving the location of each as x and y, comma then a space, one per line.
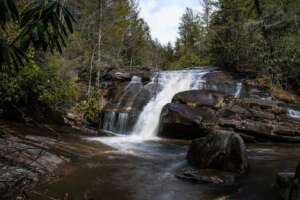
173, 82
294, 113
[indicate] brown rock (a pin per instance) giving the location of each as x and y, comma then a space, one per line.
182, 121
198, 98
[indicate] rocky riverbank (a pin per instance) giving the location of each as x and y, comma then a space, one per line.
32, 155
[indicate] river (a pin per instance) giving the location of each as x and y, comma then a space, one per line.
145, 170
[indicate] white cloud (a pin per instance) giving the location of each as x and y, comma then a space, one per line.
163, 17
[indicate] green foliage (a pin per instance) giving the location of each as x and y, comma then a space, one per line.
188, 60
91, 108
33, 85
8, 11
257, 38
109, 34
191, 48
43, 24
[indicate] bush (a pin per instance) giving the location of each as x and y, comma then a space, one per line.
91, 109
33, 86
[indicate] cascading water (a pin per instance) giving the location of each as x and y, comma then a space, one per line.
109, 121
122, 122
239, 88
162, 88
172, 82
116, 121
295, 114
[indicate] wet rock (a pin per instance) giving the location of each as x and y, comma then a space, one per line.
254, 119
13, 178
199, 98
253, 92
286, 129
23, 163
288, 184
145, 95
265, 120
181, 121
207, 176
122, 76
125, 74
220, 151
261, 104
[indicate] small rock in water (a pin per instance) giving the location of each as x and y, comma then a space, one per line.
207, 176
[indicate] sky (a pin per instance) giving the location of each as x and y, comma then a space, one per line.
163, 16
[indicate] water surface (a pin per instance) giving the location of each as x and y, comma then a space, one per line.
145, 170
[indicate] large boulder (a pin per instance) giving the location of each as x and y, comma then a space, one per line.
222, 151
199, 98
183, 122
288, 184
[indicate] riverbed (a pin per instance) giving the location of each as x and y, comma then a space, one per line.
134, 169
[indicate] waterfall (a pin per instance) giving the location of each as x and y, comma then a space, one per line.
109, 121
116, 119
295, 114
172, 83
239, 87
121, 126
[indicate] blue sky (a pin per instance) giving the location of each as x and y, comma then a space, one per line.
163, 16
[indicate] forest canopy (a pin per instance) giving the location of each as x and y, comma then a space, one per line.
57, 52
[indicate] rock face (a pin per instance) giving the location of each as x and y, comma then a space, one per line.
288, 185
219, 151
196, 98
252, 118
22, 164
263, 120
182, 121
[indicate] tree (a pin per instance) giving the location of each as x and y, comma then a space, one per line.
258, 38
190, 48
43, 25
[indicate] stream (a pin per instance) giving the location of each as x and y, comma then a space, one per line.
135, 169
141, 166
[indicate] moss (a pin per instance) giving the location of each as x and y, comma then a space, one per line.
283, 95
263, 82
